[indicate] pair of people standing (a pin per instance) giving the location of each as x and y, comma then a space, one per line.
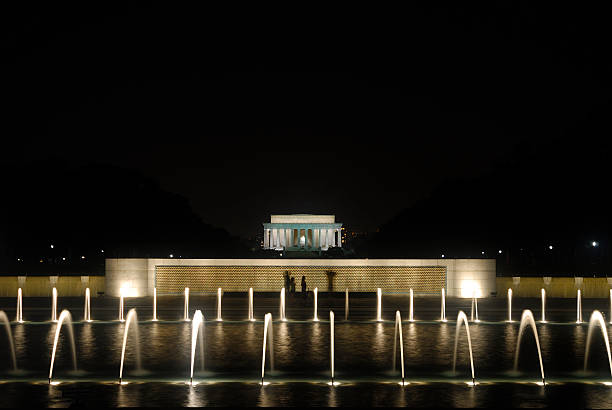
290, 284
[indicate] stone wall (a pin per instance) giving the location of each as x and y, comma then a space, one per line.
463, 277
43, 285
555, 287
33, 286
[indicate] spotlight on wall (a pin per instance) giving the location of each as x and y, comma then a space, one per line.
470, 288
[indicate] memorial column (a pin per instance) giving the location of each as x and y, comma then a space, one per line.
266, 238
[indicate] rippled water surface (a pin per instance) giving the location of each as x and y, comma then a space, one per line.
363, 355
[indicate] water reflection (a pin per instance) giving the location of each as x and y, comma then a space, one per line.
19, 338
87, 343
546, 343
264, 399
128, 396
401, 397
196, 397
332, 399
463, 396
282, 343
510, 335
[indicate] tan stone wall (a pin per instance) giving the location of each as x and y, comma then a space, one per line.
423, 279
558, 287
464, 277
42, 286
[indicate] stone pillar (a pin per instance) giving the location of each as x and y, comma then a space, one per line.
316, 238
266, 238
274, 237
340, 238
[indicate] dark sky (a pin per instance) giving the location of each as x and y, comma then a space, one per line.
248, 112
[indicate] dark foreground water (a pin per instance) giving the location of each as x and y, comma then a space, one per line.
363, 355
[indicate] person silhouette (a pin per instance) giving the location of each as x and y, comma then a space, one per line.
304, 287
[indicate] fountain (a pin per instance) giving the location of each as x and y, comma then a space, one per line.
462, 319
527, 319
543, 306
54, 305
331, 344
579, 307
316, 294
597, 320
268, 338
154, 304
282, 305
443, 307
251, 317
219, 305
346, 303
411, 315
64, 316
509, 304
197, 328
131, 317
7, 325
398, 326
378, 305
474, 310
121, 305
186, 308
19, 317
87, 308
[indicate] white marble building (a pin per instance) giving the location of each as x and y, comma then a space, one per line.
302, 232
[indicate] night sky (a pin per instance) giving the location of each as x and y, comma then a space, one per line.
249, 112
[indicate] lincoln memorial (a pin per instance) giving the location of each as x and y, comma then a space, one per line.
302, 232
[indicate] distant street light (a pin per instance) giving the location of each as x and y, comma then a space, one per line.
499, 251
594, 243
51, 246
550, 247
442, 255
172, 255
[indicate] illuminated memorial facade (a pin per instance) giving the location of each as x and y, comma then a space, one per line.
170, 276
302, 232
